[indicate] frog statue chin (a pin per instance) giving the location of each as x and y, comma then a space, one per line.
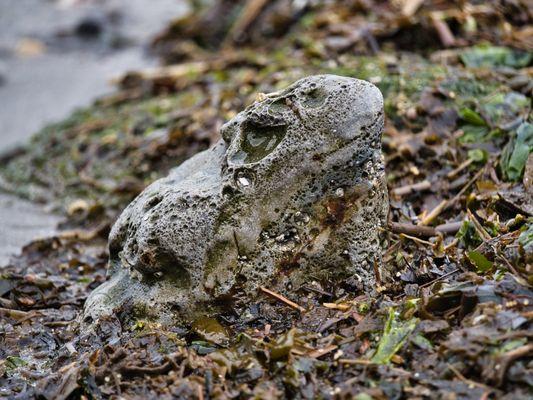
293, 192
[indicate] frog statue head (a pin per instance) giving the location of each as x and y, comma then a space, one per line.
294, 191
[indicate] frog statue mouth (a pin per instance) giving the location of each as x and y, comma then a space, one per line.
295, 188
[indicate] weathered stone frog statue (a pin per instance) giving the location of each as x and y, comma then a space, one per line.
293, 192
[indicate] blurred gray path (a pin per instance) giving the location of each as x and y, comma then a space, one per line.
55, 56
20, 222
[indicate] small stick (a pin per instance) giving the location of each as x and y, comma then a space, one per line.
431, 282
410, 7
450, 227
335, 306
451, 244
455, 172
464, 189
445, 34
251, 11
316, 290
466, 380
200, 392
510, 356
434, 213
415, 239
320, 352
355, 361
439, 278
483, 233
413, 230
424, 231
403, 190
283, 299
16, 314
512, 269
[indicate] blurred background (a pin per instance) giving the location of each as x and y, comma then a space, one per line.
55, 56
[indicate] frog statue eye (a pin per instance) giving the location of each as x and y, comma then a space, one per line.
258, 141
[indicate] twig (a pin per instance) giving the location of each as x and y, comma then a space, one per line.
16, 314
479, 228
431, 282
355, 361
320, 352
415, 239
283, 299
251, 11
439, 278
415, 187
455, 172
411, 6
335, 306
464, 189
170, 72
450, 227
317, 290
518, 276
82, 234
424, 231
468, 381
453, 243
200, 390
434, 213
507, 358
445, 34
413, 230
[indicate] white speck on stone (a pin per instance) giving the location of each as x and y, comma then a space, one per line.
243, 181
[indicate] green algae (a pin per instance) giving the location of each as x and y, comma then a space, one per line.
395, 334
487, 56
101, 153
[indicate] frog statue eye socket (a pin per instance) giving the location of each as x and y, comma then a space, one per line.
258, 141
